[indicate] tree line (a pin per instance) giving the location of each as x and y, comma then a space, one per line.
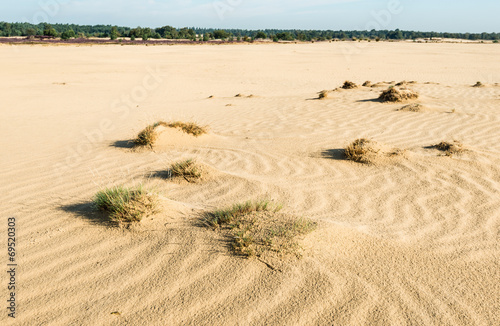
66, 31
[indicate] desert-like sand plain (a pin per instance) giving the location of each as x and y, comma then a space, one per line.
409, 241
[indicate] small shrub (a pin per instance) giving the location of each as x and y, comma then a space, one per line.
478, 84
367, 84
189, 127
450, 149
395, 94
414, 107
323, 94
361, 150
187, 169
148, 136
228, 215
349, 85
257, 227
124, 204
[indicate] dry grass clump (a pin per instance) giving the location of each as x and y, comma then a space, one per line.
186, 169
478, 84
450, 148
361, 150
323, 94
397, 94
413, 107
349, 85
125, 204
257, 227
404, 82
367, 84
148, 136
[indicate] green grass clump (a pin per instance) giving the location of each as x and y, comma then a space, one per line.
228, 215
255, 228
186, 169
125, 204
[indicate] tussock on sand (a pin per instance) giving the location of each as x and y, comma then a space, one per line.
349, 85
478, 84
367, 84
413, 107
404, 82
149, 135
188, 169
323, 94
125, 204
364, 150
450, 148
397, 94
258, 228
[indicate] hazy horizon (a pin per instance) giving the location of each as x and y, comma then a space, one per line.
443, 16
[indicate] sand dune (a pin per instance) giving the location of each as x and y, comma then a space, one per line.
413, 241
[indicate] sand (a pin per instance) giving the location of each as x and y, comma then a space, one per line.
413, 241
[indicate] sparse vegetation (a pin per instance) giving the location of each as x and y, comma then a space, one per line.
189, 127
367, 84
148, 135
413, 107
259, 227
323, 94
186, 169
397, 94
450, 148
361, 150
349, 85
478, 84
125, 204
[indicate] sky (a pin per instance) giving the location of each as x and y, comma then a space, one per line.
474, 16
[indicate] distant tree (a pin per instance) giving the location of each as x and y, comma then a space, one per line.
220, 34
146, 34
49, 31
260, 34
167, 32
30, 32
205, 37
67, 34
113, 34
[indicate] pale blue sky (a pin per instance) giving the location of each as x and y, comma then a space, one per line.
424, 15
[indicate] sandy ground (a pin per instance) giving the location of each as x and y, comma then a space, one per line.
409, 242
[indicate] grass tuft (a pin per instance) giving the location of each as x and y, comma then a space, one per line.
397, 94
349, 85
228, 215
414, 107
367, 84
125, 204
148, 136
478, 84
323, 94
361, 150
186, 169
258, 227
450, 149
